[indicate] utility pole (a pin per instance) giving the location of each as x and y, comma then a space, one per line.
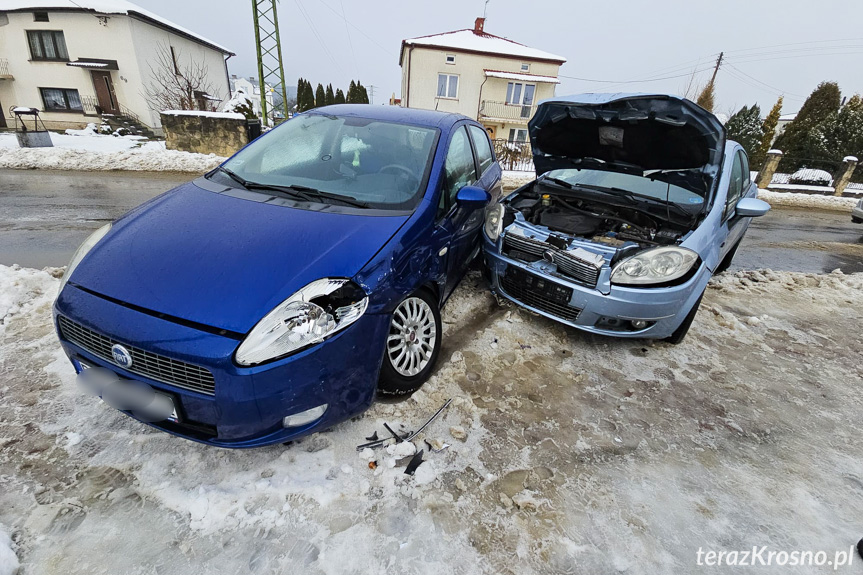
716, 69
371, 93
269, 46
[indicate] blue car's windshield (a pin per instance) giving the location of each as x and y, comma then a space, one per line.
639, 185
377, 164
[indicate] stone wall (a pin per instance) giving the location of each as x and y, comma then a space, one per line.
204, 132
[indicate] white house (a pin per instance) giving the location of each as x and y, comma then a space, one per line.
243, 89
77, 60
483, 76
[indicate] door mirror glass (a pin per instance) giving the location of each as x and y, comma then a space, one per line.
751, 208
472, 197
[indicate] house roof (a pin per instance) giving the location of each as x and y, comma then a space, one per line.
108, 7
521, 76
469, 40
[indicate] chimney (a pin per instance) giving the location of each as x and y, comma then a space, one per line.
478, 25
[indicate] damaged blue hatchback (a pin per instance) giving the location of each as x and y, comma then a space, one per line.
278, 294
639, 201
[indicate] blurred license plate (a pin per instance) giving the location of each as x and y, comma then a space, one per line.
163, 396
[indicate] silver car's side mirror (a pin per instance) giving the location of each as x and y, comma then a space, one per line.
751, 208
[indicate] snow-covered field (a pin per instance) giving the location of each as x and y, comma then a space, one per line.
569, 453
799, 200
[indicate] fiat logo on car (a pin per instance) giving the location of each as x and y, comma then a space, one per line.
121, 356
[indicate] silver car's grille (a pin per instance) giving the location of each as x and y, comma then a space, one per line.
518, 246
145, 363
576, 269
539, 293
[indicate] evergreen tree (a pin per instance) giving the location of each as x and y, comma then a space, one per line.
706, 97
330, 98
744, 127
300, 84
362, 94
245, 108
840, 134
352, 93
797, 141
768, 130
320, 97
340, 97
309, 96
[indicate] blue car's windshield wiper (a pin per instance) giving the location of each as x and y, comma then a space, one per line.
232, 175
306, 193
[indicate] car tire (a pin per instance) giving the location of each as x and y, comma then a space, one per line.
856, 220
680, 333
726, 261
412, 346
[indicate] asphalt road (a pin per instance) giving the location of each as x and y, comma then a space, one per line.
45, 215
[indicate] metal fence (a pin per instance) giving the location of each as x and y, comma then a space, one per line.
4, 67
514, 155
506, 111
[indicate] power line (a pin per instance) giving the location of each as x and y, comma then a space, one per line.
352, 25
633, 81
317, 35
350, 41
765, 84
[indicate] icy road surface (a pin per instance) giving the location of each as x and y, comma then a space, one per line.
569, 453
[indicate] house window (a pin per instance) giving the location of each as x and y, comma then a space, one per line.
47, 45
40, 16
61, 100
447, 86
450, 58
525, 67
520, 94
517, 136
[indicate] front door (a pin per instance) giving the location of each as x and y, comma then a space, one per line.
105, 92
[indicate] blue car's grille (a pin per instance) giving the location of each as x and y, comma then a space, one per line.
539, 293
145, 363
528, 249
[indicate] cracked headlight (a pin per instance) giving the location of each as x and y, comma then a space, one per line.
494, 221
654, 266
311, 315
82, 251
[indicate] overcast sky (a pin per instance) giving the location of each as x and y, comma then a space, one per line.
778, 47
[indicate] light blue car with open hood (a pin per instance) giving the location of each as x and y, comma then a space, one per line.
639, 201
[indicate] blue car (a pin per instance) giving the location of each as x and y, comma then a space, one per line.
278, 294
640, 199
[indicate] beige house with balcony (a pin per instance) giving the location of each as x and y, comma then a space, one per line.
483, 76
79, 61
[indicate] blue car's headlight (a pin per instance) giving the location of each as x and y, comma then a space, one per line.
82, 251
314, 313
654, 266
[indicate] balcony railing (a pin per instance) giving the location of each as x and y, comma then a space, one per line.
515, 112
89, 104
4, 69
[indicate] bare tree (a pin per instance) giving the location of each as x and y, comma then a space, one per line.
176, 83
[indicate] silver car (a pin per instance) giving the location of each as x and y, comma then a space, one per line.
857, 213
639, 201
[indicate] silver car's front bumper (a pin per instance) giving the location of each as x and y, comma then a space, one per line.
536, 287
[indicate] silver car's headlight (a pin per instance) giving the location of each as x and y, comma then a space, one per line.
494, 221
654, 266
311, 315
82, 251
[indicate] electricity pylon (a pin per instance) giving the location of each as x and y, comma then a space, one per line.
270, 69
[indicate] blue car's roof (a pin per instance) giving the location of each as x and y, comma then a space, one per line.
429, 118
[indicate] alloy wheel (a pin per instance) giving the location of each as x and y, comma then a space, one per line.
412, 337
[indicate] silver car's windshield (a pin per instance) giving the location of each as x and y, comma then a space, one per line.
639, 185
380, 164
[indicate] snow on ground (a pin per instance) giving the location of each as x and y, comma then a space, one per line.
86, 140
9, 564
570, 453
817, 202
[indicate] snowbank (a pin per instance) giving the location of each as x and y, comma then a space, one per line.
151, 157
9, 564
810, 201
84, 140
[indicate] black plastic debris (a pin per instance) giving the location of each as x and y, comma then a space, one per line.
372, 437
859, 548
407, 437
398, 437
415, 462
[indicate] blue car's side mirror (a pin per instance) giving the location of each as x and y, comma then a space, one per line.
751, 208
472, 197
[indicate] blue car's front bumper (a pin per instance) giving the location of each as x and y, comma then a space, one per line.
248, 404
589, 309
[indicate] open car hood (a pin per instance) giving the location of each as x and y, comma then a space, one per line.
664, 137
